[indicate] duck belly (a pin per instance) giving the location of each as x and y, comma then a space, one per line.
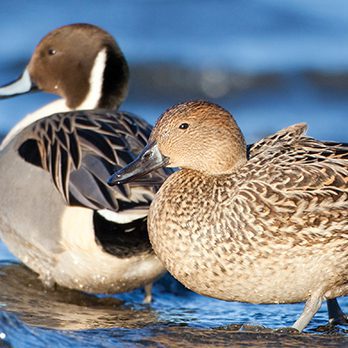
215, 265
265, 282
276, 280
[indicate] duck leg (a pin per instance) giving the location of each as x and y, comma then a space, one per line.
336, 315
311, 307
148, 293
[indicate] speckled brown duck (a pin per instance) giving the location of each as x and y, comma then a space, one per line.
268, 225
57, 214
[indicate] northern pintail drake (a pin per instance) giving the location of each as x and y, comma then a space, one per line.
57, 214
264, 224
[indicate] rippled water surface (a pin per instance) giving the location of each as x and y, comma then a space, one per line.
32, 315
271, 63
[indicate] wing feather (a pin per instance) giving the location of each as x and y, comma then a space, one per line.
81, 149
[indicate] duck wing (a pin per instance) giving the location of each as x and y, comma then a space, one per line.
283, 137
81, 149
293, 183
289, 159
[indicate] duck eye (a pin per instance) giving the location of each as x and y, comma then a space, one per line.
184, 126
52, 51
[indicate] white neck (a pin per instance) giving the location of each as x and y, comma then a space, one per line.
95, 82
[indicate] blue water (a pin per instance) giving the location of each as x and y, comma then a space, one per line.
272, 63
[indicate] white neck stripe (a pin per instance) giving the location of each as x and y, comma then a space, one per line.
95, 83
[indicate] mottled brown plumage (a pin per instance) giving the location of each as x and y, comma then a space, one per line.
272, 228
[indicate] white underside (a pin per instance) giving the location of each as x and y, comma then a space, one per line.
84, 265
77, 261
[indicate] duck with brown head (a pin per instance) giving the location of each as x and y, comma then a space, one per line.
82, 64
270, 227
57, 214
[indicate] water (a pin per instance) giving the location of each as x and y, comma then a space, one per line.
271, 63
33, 315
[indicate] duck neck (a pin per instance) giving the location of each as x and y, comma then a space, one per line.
108, 81
223, 160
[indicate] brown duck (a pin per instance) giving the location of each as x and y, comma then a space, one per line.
268, 224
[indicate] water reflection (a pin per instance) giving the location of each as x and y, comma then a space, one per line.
35, 316
21, 292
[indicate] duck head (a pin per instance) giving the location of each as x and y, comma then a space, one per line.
81, 63
195, 135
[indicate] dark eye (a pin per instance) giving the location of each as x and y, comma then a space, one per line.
184, 126
52, 51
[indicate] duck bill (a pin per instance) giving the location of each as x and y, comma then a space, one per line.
148, 160
20, 86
